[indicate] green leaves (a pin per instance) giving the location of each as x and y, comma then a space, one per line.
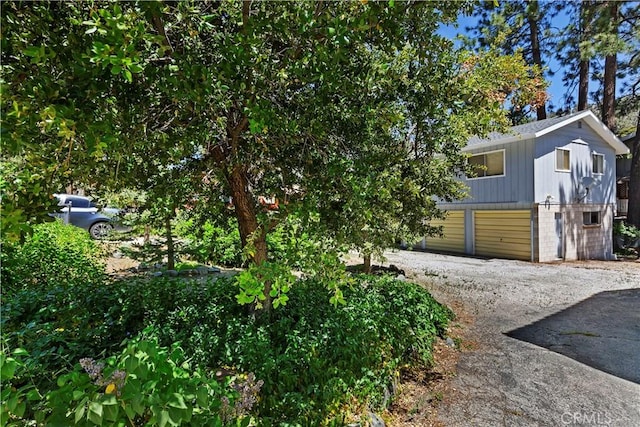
157, 388
258, 281
14, 394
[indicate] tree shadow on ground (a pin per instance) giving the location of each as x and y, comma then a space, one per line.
602, 331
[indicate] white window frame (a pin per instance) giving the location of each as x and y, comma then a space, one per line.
504, 164
589, 223
593, 163
555, 159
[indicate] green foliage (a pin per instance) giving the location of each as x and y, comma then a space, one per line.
315, 359
14, 395
25, 198
60, 324
215, 242
54, 255
252, 289
626, 237
244, 100
146, 385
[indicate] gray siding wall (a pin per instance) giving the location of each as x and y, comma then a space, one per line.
515, 186
565, 187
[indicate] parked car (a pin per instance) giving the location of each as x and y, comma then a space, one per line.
82, 212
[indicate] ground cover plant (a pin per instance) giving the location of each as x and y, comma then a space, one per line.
309, 362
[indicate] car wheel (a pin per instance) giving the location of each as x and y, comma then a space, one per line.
100, 230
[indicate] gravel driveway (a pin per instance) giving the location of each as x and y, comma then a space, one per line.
572, 353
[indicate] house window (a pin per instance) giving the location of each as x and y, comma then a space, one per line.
488, 164
591, 218
563, 159
597, 161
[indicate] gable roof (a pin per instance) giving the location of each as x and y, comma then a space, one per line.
542, 127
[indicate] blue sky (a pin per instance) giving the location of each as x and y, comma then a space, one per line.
556, 90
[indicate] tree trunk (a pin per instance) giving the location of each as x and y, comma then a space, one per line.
583, 66
147, 234
532, 18
583, 85
633, 215
610, 70
250, 231
367, 264
171, 254
609, 100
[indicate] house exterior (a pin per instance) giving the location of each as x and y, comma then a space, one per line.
545, 191
623, 175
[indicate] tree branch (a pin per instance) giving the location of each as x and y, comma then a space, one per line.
156, 20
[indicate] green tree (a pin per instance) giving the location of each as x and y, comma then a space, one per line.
261, 98
523, 25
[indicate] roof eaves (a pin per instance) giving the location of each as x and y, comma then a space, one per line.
563, 123
500, 141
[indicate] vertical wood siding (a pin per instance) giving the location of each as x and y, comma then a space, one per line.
517, 183
565, 187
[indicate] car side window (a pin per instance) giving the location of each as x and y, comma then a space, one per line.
78, 202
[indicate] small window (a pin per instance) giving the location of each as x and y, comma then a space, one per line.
78, 202
591, 218
597, 161
488, 164
563, 159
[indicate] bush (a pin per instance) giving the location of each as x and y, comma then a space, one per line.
315, 359
62, 324
148, 385
218, 242
54, 255
145, 385
626, 236
212, 242
318, 361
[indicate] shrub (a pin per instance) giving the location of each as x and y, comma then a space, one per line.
315, 359
318, 361
61, 324
54, 255
149, 385
626, 236
145, 385
218, 241
215, 242
16, 392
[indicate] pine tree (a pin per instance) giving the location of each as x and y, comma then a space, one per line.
513, 25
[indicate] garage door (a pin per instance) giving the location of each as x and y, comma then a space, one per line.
453, 233
503, 234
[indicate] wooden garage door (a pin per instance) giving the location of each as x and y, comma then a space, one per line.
453, 233
503, 234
